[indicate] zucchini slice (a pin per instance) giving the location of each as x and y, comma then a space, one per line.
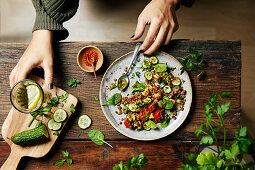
176, 81
146, 63
148, 75
154, 60
167, 89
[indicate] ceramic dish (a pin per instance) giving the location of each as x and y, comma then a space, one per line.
115, 71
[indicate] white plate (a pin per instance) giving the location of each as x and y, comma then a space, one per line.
115, 71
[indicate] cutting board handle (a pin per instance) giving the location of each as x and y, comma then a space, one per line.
12, 161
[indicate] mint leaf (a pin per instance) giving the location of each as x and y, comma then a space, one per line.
65, 153
59, 162
69, 161
206, 140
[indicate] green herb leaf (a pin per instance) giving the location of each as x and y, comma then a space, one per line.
226, 95
120, 166
115, 99
149, 125
243, 132
65, 153
207, 159
228, 154
165, 122
62, 105
96, 98
199, 130
64, 97
69, 161
137, 162
73, 82
225, 107
56, 133
79, 134
138, 74
206, 140
59, 162
138, 87
97, 137
234, 149
72, 109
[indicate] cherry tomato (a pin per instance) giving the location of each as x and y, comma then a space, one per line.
157, 115
127, 123
151, 107
143, 116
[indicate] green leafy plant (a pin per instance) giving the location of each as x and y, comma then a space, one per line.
66, 159
72, 109
97, 137
115, 99
133, 162
73, 82
138, 87
227, 155
193, 62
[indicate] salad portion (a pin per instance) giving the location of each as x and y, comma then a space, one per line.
157, 100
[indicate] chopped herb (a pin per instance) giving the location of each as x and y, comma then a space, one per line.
67, 159
96, 98
72, 109
79, 134
112, 86
133, 75
73, 82
138, 60
172, 68
62, 105
133, 65
56, 133
64, 97
138, 74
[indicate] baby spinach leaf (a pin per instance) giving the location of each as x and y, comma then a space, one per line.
97, 137
165, 122
115, 99
138, 87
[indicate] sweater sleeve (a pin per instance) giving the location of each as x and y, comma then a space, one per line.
51, 14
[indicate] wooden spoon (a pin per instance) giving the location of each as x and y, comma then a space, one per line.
91, 61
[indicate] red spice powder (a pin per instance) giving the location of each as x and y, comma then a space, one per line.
89, 55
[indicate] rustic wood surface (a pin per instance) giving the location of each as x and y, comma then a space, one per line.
223, 74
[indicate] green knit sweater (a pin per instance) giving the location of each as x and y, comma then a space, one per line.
50, 15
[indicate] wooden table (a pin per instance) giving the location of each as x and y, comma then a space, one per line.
223, 74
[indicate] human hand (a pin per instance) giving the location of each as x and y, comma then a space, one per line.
39, 54
160, 15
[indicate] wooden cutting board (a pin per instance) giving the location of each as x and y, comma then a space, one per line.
17, 122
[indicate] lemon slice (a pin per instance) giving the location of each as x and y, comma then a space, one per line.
34, 95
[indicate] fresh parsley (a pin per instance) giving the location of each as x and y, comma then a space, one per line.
133, 162
193, 62
72, 109
138, 74
226, 156
96, 98
66, 159
73, 82
64, 97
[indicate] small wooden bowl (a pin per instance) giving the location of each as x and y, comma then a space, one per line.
81, 63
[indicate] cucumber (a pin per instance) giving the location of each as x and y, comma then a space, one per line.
132, 107
84, 121
167, 89
153, 60
60, 115
148, 75
176, 81
31, 137
146, 63
52, 125
160, 67
147, 100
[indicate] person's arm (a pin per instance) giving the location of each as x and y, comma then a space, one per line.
50, 15
160, 15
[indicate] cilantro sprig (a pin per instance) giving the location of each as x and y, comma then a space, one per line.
225, 156
193, 62
133, 162
73, 82
66, 159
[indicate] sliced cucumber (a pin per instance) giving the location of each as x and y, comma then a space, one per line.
176, 81
84, 121
148, 75
60, 115
153, 60
167, 89
132, 107
52, 125
31, 137
160, 67
147, 100
146, 63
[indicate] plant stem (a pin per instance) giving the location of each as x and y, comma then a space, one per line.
216, 139
108, 144
211, 148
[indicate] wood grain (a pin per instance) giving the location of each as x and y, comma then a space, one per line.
17, 122
87, 155
223, 74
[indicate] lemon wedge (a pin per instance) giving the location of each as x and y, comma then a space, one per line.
34, 95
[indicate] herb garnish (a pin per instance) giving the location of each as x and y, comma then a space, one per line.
64, 97
227, 156
115, 99
68, 160
193, 62
72, 109
97, 137
73, 82
96, 98
138, 74
134, 162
